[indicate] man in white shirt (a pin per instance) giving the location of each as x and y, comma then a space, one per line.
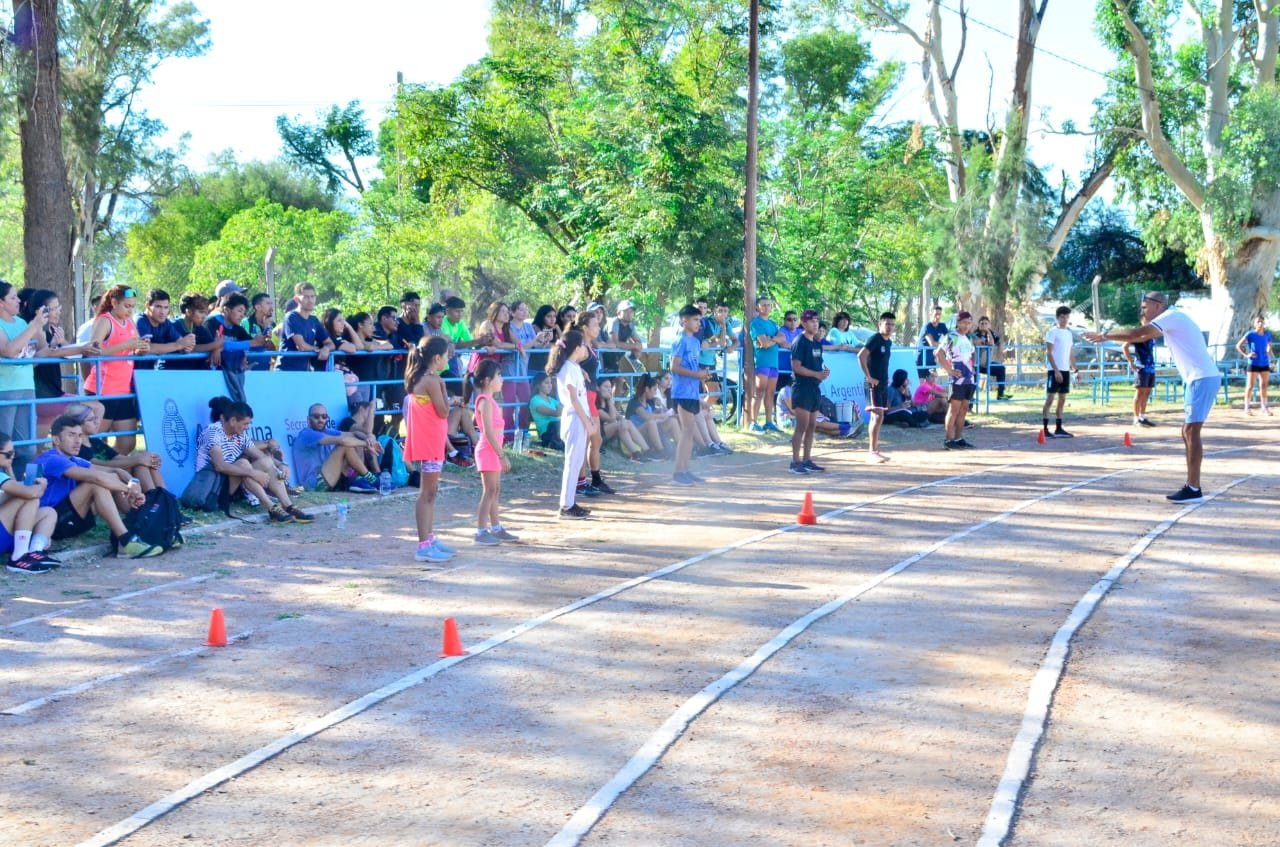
1196, 367
1062, 363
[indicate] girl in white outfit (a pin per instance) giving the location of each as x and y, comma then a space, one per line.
576, 423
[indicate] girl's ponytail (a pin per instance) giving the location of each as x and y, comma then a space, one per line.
562, 350
422, 355
479, 378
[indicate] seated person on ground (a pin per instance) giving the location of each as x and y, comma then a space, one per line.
823, 426
544, 407
142, 465
80, 493
648, 417
931, 397
225, 445
902, 411
26, 527
614, 425
326, 458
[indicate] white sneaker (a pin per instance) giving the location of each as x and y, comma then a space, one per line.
251, 500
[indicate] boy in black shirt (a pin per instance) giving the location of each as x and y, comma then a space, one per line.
874, 359
809, 372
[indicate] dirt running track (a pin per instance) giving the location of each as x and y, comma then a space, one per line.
889, 721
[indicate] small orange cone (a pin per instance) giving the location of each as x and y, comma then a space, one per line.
452, 643
217, 630
1128, 442
1040, 437
806, 516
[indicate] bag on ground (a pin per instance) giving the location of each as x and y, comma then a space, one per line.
157, 521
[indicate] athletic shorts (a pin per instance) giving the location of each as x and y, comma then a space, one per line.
880, 395
693, 407
1143, 379
591, 404
70, 522
430, 466
962, 393
7, 541
772, 373
805, 396
1052, 386
1259, 369
1200, 398
123, 409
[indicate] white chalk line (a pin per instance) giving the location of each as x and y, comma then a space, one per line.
128, 595
161, 807
168, 803
1004, 805
32, 705
673, 727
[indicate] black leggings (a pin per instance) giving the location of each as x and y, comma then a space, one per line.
906, 417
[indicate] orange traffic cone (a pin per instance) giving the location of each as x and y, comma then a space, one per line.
1040, 437
217, 630
1128, 442
452, 643
806, 516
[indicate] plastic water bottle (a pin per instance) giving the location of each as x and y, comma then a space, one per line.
384, 483
519, 441
343, 508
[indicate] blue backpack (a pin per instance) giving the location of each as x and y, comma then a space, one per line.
393, 461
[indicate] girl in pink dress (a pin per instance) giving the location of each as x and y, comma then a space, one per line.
426, 419
485, 385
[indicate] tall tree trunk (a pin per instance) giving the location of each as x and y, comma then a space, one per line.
46, 213
1240, 281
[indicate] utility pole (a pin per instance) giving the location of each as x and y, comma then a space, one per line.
747, 389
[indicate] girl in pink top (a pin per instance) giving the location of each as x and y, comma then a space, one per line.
115, 332
485, 385
426, 420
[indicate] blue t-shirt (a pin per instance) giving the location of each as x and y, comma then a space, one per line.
167, 333
686, 350
1258, 343
309, 454
55, 465
310, 330
929, 338
766, 357
784, 354
1145, 353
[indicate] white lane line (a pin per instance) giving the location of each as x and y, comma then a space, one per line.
163, 806
32, 705
141, 818
84, 604
1004, 805
673, 727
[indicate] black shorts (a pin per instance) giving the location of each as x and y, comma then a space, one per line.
962, 393
1052, 386
693, 407
880, 395
70, 522
805, 396
1142, 379
123, 409
1259, 369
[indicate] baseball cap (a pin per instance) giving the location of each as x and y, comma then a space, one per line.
594, 307
624, 305
809, 314
963, 316
228, 287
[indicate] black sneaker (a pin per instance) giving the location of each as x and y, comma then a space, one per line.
279, 515
962, 444
574, 512
26, 564
951, 444
1062, 433
812, 466
798, 469
299, 516
589, 491
1185, 493
603, 487
1145, 422
45, 558
1048, 434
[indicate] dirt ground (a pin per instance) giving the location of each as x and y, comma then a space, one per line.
887, 722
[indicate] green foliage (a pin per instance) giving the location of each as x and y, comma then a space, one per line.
329, 148
1251, 157
306, 240
160, 250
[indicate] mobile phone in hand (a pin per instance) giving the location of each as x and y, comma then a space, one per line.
33, 471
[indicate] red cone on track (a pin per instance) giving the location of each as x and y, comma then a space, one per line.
1040, 437
1128, 442
806, 516
452, 643
217, 630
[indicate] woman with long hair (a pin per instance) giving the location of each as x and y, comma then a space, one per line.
19, 339
48, 377
546, 332
116, 333
576, 422
426, 420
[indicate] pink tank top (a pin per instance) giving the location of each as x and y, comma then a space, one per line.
117, 377
425, 431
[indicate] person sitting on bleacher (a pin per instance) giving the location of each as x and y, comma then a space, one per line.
327, 459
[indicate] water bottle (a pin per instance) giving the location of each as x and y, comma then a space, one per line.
343, 508
519, 441
384, 483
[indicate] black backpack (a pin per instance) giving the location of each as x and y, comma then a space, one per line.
156, 522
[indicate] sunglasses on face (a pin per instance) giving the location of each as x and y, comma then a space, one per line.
8, 454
